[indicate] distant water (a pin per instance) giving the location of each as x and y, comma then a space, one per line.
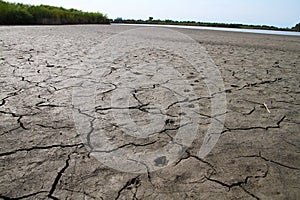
242, 30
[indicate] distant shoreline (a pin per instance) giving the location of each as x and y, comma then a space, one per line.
204, 24
241, 30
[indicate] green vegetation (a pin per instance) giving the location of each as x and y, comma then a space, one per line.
21, 14
297, 27
193, 23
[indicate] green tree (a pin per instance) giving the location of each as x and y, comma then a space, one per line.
11, 13
297, 27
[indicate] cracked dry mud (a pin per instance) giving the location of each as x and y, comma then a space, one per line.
42, 154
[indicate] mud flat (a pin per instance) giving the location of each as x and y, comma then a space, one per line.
43, 154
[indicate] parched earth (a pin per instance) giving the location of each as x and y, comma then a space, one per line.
80, 120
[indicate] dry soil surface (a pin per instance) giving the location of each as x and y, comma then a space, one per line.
44, 156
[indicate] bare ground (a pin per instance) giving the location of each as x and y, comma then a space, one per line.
42, 155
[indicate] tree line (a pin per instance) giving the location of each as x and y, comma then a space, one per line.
22, 14
194, 23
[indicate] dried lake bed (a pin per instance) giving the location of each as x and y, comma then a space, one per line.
69, 91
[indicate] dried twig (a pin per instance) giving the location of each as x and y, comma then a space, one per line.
267, 108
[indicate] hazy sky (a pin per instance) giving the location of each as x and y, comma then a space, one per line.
281, 13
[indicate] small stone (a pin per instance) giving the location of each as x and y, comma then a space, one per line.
161, 161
